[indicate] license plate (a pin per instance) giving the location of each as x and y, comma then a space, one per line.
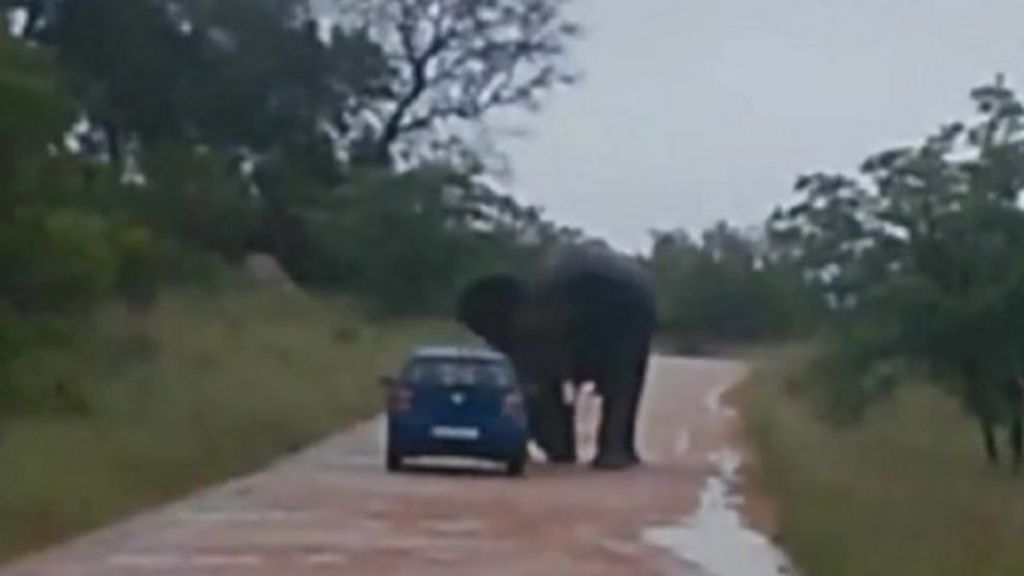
451, 433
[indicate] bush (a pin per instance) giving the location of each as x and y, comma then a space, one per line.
56, 260
198, 199
721, 290
139, 270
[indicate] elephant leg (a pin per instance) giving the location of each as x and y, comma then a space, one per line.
635, 393
566, 448
614, 444
554, 425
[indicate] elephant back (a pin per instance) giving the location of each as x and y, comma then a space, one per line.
569, 264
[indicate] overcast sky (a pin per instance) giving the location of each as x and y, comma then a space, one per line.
695, 111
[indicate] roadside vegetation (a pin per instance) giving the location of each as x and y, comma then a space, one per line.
886, 443
902, 493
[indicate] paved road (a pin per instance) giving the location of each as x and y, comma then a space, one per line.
333, 510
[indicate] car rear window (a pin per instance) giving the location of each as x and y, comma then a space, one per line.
458, 372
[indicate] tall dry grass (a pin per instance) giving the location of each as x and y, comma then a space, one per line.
905, 494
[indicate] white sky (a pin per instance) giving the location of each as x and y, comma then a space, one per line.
692, 111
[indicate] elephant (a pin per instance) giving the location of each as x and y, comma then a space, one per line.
584, 315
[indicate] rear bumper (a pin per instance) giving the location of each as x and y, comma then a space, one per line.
412, 436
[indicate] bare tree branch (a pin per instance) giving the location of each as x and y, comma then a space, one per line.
456, 61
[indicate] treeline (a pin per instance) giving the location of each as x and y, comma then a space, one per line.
727, 288
151, 142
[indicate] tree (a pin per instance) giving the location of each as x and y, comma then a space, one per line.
126, 62
274, 84
456, 61
33, 113
829, 233
233, 126
254, 78
724, 289
59, 250
920, 257
258, 87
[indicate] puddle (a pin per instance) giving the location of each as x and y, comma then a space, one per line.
715, 402
716, 539
620, 548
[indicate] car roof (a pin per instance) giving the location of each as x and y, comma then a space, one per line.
458, 353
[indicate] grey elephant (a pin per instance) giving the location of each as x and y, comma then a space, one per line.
586, 315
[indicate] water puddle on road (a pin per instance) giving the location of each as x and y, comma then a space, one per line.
716, 538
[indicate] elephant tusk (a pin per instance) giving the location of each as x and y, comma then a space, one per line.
536, 454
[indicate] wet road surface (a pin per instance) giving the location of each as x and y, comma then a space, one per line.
333, 510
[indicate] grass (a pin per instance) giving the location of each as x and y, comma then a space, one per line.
905, 494
208, 386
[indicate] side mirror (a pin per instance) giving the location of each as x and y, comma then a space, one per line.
387, 382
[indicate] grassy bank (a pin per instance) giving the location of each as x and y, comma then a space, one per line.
208, 386
906, 494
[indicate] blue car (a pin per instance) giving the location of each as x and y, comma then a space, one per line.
457, 402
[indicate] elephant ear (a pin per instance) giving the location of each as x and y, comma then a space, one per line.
488, 306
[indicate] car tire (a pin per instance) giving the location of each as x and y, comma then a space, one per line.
394, 460
516, 467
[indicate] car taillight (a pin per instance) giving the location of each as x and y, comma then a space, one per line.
401, 400
513, 405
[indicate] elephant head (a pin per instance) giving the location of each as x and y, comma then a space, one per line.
530, 327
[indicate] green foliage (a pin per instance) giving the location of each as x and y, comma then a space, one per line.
919, 258
244, 126
139, 271
725, 290
61, 249
406, 242
198, 199
31, 110
253, 76
413, 255
56, 250
58, 258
